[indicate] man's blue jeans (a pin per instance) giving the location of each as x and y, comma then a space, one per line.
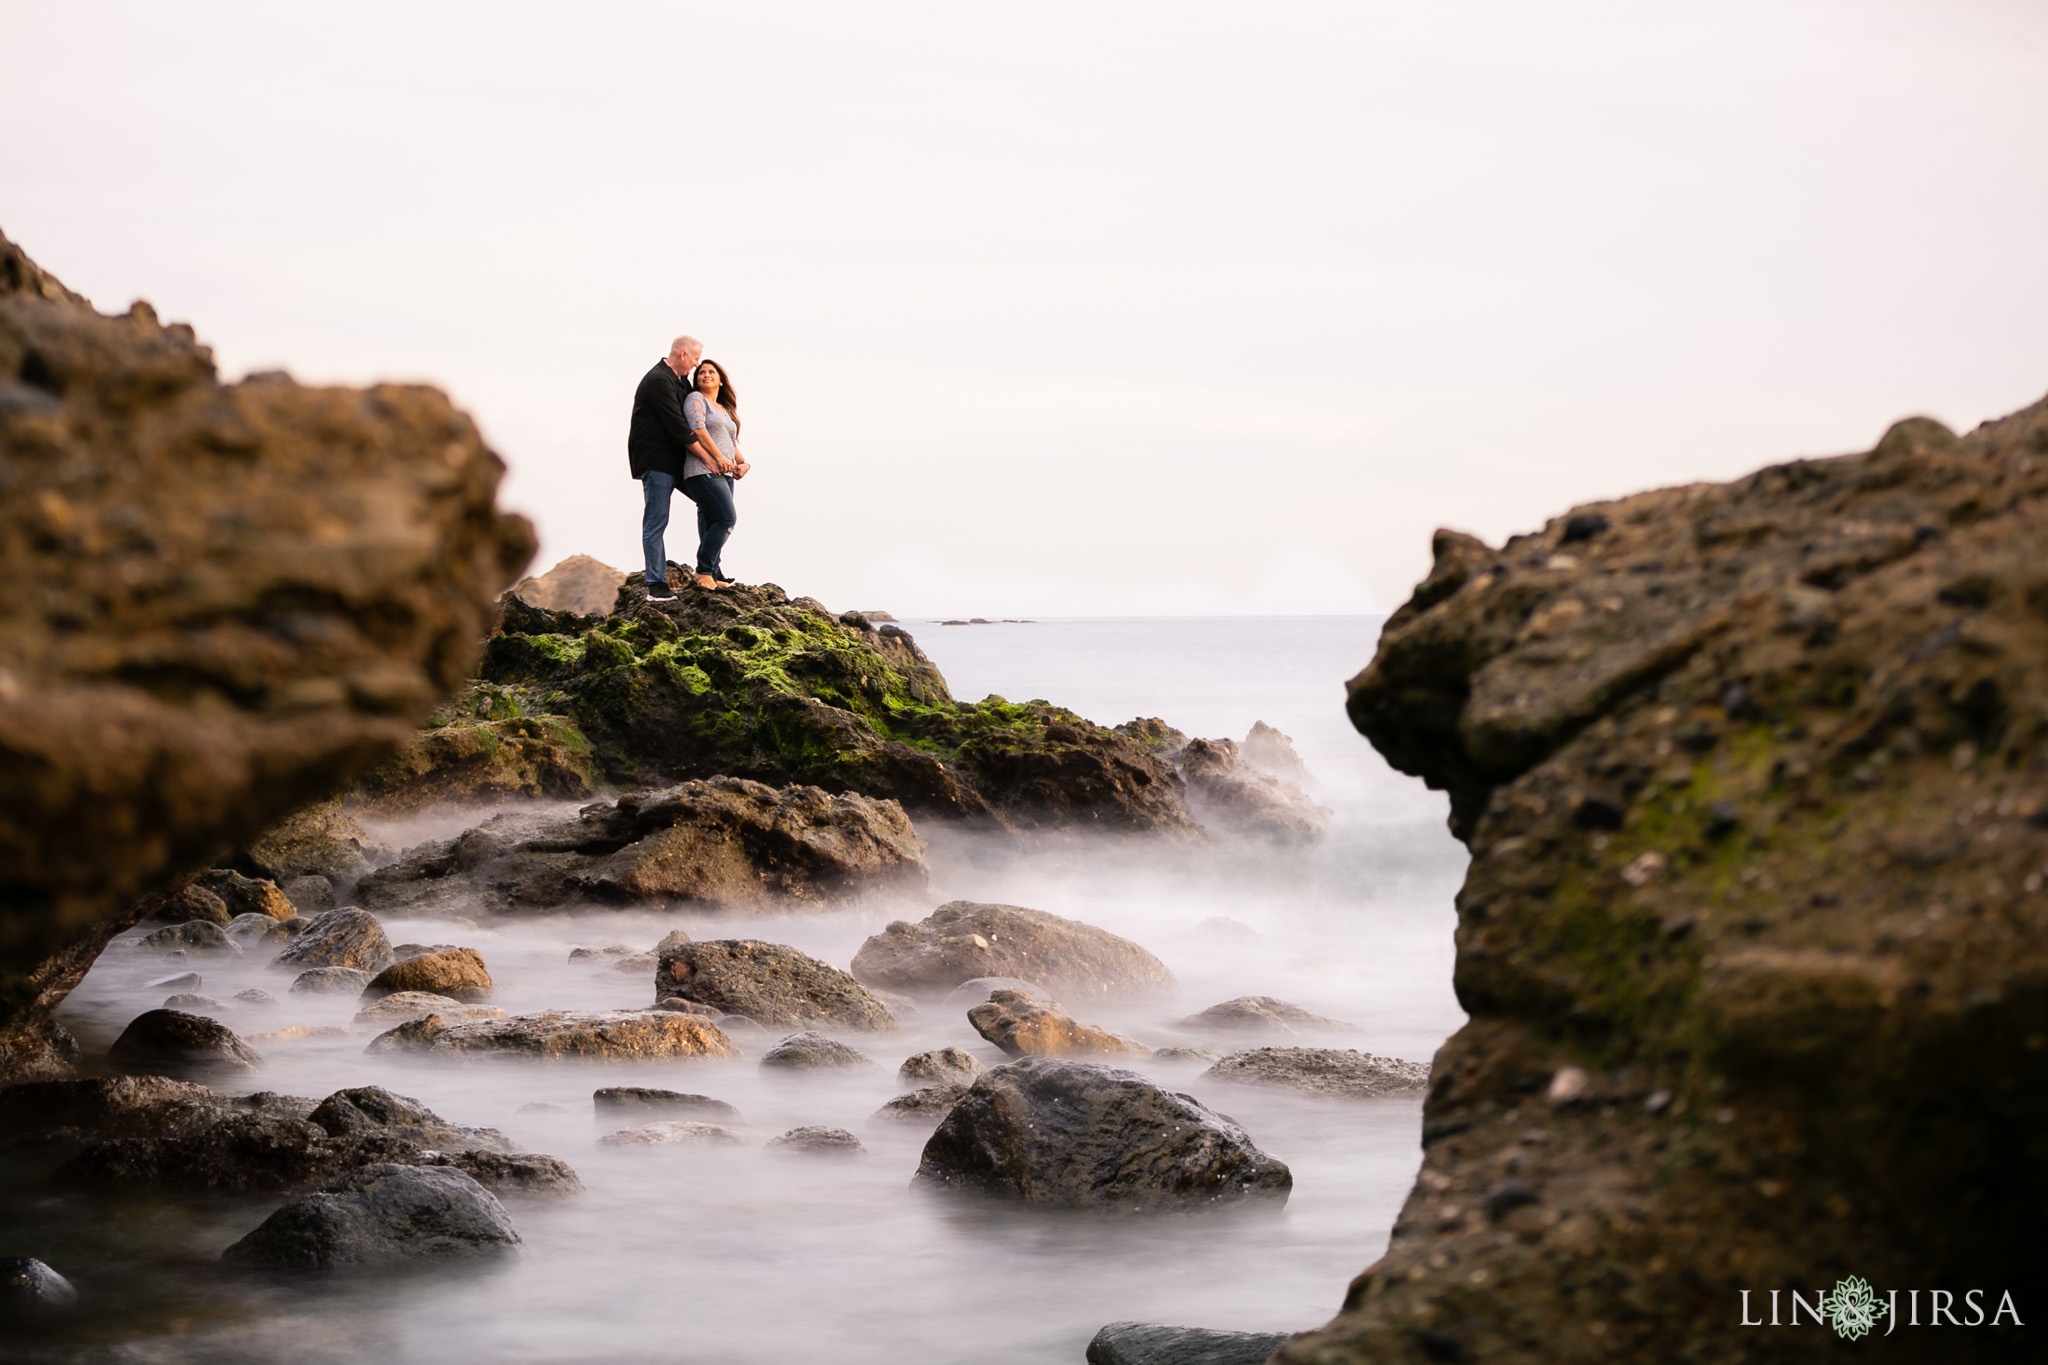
656, 487
716, 517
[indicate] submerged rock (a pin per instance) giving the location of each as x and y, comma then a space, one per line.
926, 1105
29, 1288
508, 1175
724, 842
373, 1109
817, 1141
673, 1133
193, 936
770, 984
1148, 1343
624, 1101
247, 895
962, 940
309, 895
1226, 793
1064, 1134
381, 1213
616, 1034
330, 981
1266, 749
1263, 1014
181, 981
256, 995
1322, 1071
171, 1042
189, 1002
1024, 1027
941, 1066
258, 930
192, 904
814, 1052
402, 1006
458, 973
339, 938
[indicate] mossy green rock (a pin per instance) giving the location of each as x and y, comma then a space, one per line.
750, 683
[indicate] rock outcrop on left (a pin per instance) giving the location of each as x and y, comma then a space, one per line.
224, 600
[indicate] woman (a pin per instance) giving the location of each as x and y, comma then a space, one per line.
712, 412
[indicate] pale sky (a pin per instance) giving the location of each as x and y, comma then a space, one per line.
1079, 308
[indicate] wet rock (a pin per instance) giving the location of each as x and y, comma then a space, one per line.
817, 1141
682, 1006
256, 931
1065, 1134
962, 940
193, 936
401, 1006
179, 981
330, 981
725, 843
968, 994
607, 955
1271, 752
171, 1042
1226, 793
29, 1288
614, 1034
1147, 1343
373, 1109
381, 1213
309, 895
458, 973
1183, 1054
479, 749
1322, 1071
406, 952
639, 964
178, 689
770, 984
941, 1066
509, 1175
673, 1133
185, 1000
781, 691
1853, 653
1022, 1027
339, 938
814, 1052
193, 903
108, 1106
926, 1105
246, 895
1263, 1014
256, 995
320, 840
630, 1101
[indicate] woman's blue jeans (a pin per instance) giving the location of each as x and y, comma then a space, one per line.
716, 516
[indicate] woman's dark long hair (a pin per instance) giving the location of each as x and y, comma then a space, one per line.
727, 399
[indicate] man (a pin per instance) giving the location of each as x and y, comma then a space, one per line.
656, 445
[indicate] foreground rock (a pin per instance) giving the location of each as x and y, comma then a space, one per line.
169, 694
172, 1042
726, 843
1149, 1343
1062, 1134
1024, 1027
348, 937
1753, 777
750, 683
458, 973
608, 1034
28, 1288
962, 940
1263, 1014
379, 1214
1322, 1071
768, 983
815, 1052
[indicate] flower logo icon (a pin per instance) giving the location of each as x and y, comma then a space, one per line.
1853, 1308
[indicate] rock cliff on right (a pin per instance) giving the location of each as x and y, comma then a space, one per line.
1754, 940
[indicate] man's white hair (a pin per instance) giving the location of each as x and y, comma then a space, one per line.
684, 345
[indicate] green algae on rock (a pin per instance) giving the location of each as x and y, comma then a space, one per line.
749, 682
1755, 935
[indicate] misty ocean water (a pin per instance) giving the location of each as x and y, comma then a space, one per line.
742, 1255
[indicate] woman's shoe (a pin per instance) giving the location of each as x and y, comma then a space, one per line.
705, 581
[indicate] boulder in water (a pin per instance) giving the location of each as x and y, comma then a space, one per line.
330, 981
1263, 1014
613, 1034
458, 973
192, 936
171, 1042
814, 1140
941, 1066
309, 895
403, 1006
1271, 752
194, 903
381, 1213
1150, 1343
673, 1133
339, 938
629, 1101
319, 840
508, 1175
770, 984
247, 895
1066, 1134
1323, 1071
373, 1109
926, 1105
963, 940
29, 1288
1024, 1027
814, 1052
1227, 794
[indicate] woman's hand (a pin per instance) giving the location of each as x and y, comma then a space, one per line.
739, 470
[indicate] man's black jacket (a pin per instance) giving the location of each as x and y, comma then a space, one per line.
659, 439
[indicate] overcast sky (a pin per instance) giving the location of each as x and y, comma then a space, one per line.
1092, 308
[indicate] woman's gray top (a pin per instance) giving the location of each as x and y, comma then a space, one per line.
702, 415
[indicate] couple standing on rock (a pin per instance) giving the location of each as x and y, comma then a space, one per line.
685, 434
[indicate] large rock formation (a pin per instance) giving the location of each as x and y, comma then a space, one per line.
1754, 939
727, 843
223, 601
963, 941
748, 682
